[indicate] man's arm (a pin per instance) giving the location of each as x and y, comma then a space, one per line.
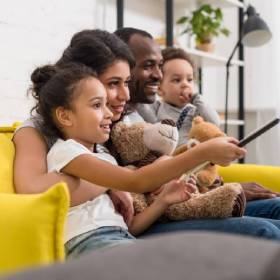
254, 191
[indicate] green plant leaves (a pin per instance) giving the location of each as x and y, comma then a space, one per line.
182, 20
205, 23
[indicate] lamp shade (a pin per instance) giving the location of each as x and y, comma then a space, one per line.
255, 30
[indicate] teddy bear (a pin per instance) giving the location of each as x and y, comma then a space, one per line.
208, 177
141, 143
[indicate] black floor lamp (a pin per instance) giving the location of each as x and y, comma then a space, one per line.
255, 32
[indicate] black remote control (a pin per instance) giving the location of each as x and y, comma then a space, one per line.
258, 132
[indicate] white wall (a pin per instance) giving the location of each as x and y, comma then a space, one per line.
263, 87
35, 32
214, 86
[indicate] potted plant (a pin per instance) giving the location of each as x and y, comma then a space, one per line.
204, 23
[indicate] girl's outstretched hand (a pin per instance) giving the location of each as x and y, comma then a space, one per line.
222, 150
177, 191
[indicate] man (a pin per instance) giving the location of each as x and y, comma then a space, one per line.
146, 75
144, 86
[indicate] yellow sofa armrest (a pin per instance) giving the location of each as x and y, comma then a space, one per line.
9, 130
268, 176
31, 226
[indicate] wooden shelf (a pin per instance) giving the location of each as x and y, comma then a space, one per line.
223, 3
219, 3
202, 59
233, 122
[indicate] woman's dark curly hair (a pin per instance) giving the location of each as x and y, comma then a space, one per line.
97, 49
94, 48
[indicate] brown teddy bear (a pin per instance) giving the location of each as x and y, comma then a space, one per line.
201, 131
141, 143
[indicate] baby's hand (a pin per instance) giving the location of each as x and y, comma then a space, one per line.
177, 191
195, 98
222, 150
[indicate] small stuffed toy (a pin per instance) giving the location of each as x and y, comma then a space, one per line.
201, 131
141, 143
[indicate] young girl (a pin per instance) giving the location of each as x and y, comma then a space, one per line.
177, 91
72, 104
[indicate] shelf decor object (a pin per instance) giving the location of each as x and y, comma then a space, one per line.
255, 33
204, 23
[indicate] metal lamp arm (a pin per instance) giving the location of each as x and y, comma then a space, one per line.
227, 83
233, 52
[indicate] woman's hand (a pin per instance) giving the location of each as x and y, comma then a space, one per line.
123, 203
222, 150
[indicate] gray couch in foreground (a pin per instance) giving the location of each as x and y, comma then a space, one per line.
192, 255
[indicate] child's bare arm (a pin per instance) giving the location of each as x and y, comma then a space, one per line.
219, 151
30, 169
145, 219
173, 192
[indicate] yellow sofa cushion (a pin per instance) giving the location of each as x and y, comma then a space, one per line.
32, 228
7, 152
268, 176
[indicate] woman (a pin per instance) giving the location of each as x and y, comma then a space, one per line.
97, 49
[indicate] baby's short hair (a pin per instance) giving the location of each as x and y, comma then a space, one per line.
171, 53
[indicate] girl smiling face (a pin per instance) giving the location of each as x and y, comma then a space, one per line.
88, 119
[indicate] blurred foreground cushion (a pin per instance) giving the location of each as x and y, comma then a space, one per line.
193, 255
32, 228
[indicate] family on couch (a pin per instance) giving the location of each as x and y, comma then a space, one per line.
100, 79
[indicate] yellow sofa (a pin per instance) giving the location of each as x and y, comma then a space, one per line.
31, 225
268, 176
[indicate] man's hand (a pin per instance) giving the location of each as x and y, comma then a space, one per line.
123, 203
254, 191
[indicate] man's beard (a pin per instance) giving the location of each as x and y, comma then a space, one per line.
138, 95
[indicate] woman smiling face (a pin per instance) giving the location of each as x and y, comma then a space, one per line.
116, 79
